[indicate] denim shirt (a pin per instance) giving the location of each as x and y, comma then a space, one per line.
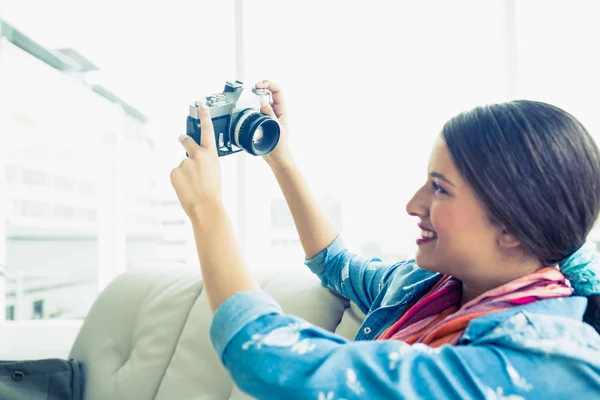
541, 350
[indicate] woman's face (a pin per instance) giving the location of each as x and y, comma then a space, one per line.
457, 237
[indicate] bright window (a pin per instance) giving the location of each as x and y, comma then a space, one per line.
369, 86
87, 153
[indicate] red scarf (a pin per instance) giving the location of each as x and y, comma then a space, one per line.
435, 319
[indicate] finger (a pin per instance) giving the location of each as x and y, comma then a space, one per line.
278, 104
207, 138
190, 145
182, 163
265, 107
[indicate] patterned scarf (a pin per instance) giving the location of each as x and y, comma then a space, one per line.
435, 319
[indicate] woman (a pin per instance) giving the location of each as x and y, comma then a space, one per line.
485, 310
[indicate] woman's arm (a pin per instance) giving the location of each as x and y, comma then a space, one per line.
314, 228
357, 278
275, 356
197, 181
224, 271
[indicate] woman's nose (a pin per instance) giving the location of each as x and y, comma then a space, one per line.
418, 205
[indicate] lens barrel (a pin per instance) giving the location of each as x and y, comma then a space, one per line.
256, 133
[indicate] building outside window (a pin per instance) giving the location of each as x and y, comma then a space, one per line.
85, 160
73, 206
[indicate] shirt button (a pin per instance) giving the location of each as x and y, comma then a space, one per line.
367, 330
18, 375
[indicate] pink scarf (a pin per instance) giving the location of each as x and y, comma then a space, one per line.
435, 319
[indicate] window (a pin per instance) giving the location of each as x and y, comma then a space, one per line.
560, 66
10, 313
87, 187
173, 222
35, 209
365, 104
99, 140
369, 86
35, 178
61, 211
38, 309
64, 183
11, 173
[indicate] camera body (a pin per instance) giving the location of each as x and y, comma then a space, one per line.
237, 121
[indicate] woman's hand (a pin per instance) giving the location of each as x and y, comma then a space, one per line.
197, 180
276, 109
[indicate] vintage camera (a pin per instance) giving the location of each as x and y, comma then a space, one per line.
238, 123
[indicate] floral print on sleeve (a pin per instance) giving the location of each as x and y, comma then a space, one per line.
287, 336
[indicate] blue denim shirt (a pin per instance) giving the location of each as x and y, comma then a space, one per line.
542, 350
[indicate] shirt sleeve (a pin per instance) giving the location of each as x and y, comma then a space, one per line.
270, 355
357, 278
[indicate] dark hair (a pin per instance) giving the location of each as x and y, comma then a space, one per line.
537, 170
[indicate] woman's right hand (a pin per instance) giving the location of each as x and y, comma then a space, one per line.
276, 108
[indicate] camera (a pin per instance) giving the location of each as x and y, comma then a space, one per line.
238, 123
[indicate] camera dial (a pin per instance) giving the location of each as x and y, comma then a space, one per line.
260, 92
216, 99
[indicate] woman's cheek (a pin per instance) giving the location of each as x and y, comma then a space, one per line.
438, 218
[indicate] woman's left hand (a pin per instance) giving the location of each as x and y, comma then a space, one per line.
197, 180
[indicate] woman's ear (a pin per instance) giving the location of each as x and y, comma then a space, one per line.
508, 240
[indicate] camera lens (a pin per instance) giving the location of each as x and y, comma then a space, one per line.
256, 133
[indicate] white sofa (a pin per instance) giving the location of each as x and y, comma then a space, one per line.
147, 335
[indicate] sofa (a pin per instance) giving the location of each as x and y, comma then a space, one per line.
147, 335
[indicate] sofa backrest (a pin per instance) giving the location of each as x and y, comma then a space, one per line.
147, 335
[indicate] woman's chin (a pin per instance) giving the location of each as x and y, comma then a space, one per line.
425, 262
421, 260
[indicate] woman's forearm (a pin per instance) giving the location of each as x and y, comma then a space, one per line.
314, 227
223, 268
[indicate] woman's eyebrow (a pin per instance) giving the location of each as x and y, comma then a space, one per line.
440, 176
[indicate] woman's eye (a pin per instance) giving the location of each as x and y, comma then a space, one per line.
438, 189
